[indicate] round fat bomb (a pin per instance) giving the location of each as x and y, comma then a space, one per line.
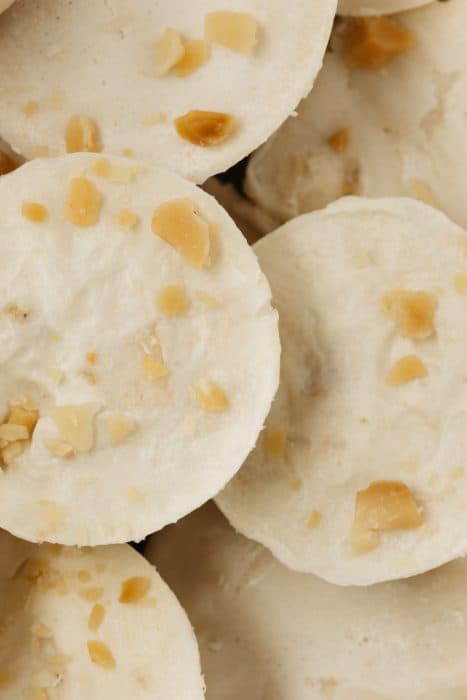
387, 117
377, 7
139, 352
267, 632
361, 473
99, 623
190, 85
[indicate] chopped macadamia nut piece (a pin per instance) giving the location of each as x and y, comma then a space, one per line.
83, 203
34, 212
211, 397
205, 128
339, 141
196, 54
60, 449
134, 589
386, 505
82, 134
237, 31
180, 225
101, 167
76, 424
364, 541
119, 427
11, 432
92, 357
275, 442
16, 312
7, 165
127, 219
412, 312
172, 301
374, 41
100, 654
96, 617
460, 284
27, 416
12, 451
154, 368
168, 51
314, 519
406, 370
91, 594
30, 108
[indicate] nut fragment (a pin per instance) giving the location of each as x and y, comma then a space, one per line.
30, 108
96, 617
127, 219
134, 589
11, 432
92, 357
172, 301
179, 224
412, 312
154, 367
196, 55
82, 134
211, 397
203, 128
168, 51
314, 519
406, 370
237, 31
119, 427
384, 505
26, 415
275, 442
83, 203
59, 448
100, 654
34, 212
339, 140
374, 41
76, 424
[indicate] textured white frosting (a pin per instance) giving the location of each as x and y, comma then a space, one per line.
267, 632
346, 427
94, 290
46, 599
109, 75
377, 7
407, 125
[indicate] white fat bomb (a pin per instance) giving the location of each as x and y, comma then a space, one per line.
359, 475
130, 70
267, 632
396, 131
139, 352
99, 623
377, 7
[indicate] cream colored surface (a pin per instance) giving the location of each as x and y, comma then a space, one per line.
407, 126
346, 427
46, 598
98, 57
267, 632
94, 290
377, 7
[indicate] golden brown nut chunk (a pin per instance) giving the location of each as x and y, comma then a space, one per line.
7, 165
84, 202
205, 128
96, 617
179, 224
406, 370
314, 519
76, 425
168, 51
172, 301
100, 654
119, 427
154, 367
339, 141
211, 397
134, 589
35, 212
196, 54
82, 134
386, 505
275, 442
412, 312
127, 219
374, 41
237, 31
30, 108
11, 433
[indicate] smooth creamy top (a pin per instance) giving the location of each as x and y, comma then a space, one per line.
123, 345
373, 388
62, 58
